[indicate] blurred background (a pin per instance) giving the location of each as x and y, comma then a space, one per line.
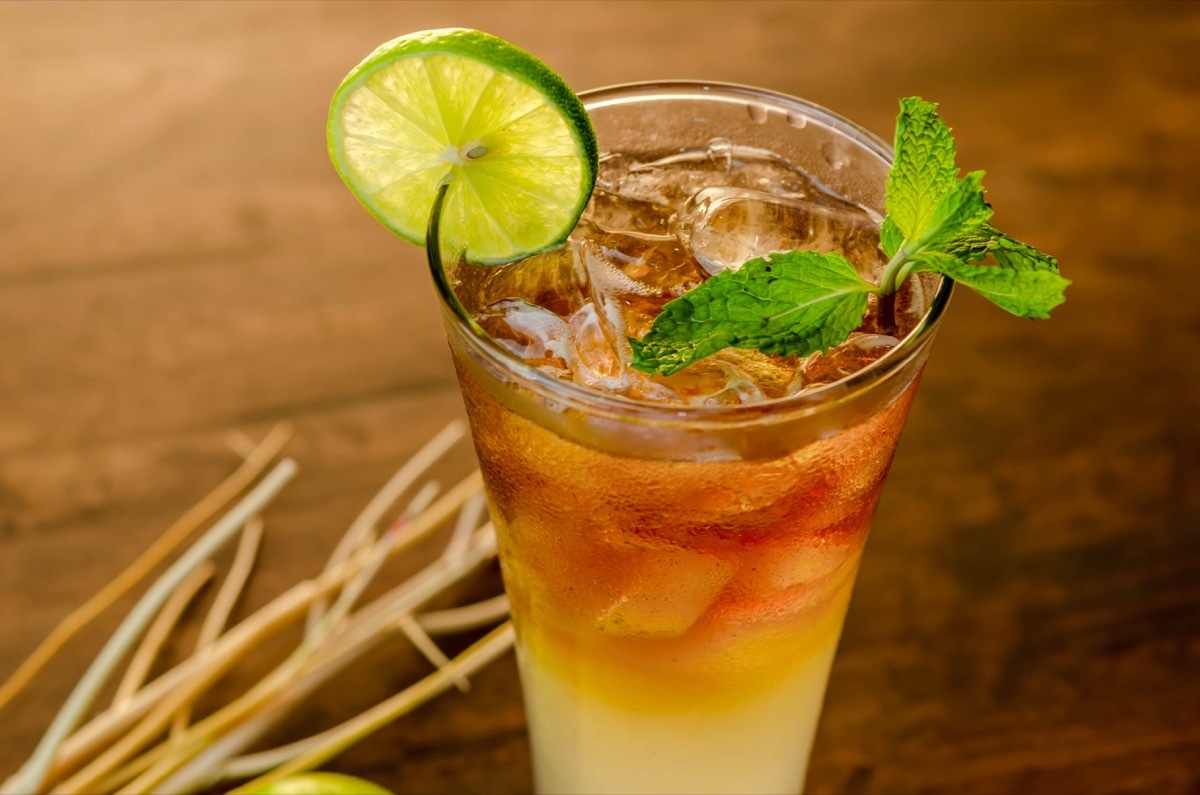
178, 260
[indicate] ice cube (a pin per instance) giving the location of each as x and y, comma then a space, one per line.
659, 264
599, 351
668, 181
644, 387
667, 592
843, 360
698, 382
772, 174
637, 274
536, 335
611, 211
803, 564
714, 381
740, 388
724, 227
555, 280
773, 376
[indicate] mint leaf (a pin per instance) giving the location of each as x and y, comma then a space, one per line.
973, 246
793, 303
923, 170
890, 237
1006, 251
961, 212
1017, 256
1025, 293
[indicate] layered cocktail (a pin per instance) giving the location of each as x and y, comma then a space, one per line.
687, 355
679, 550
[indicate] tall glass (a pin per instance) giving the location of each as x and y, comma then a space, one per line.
679, 575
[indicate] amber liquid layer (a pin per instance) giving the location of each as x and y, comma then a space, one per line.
660, 587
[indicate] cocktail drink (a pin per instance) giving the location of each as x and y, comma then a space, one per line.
679, 551
687, 355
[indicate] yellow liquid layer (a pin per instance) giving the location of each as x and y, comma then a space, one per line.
583, 742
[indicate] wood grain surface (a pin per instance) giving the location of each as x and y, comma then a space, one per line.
178, 260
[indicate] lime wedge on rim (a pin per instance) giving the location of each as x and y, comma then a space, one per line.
512, 140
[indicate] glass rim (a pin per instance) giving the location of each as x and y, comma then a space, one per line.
568, 394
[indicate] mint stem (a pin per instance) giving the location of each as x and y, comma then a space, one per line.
888, 283
887, 314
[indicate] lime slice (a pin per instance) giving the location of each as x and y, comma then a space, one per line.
510, 137
321, 784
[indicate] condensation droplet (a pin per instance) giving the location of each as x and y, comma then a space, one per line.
758, 113
833, 155
797, 120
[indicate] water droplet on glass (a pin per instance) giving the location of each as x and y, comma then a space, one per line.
758, 113
833, 155
797, 120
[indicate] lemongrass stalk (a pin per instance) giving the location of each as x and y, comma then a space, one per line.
235, 582
381, 552
206, 774
432, 652
194, 739
419, 502
369, 517
86, 780
382, 615
115, 779
347, 734
483, 537
240, 443
225, 732
308, 672
260, 762
194, 517
390, 544
272, 617
439, 622
193, 674
31, 776
468, 521
143, 659
461, 619
222, 607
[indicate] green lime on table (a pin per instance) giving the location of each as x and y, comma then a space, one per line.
321, 784
511, 139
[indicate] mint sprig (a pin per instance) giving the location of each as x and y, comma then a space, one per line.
801, 302
783, 303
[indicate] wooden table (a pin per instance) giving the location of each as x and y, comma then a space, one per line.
178, 260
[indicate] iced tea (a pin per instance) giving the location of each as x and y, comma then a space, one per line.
679, 551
